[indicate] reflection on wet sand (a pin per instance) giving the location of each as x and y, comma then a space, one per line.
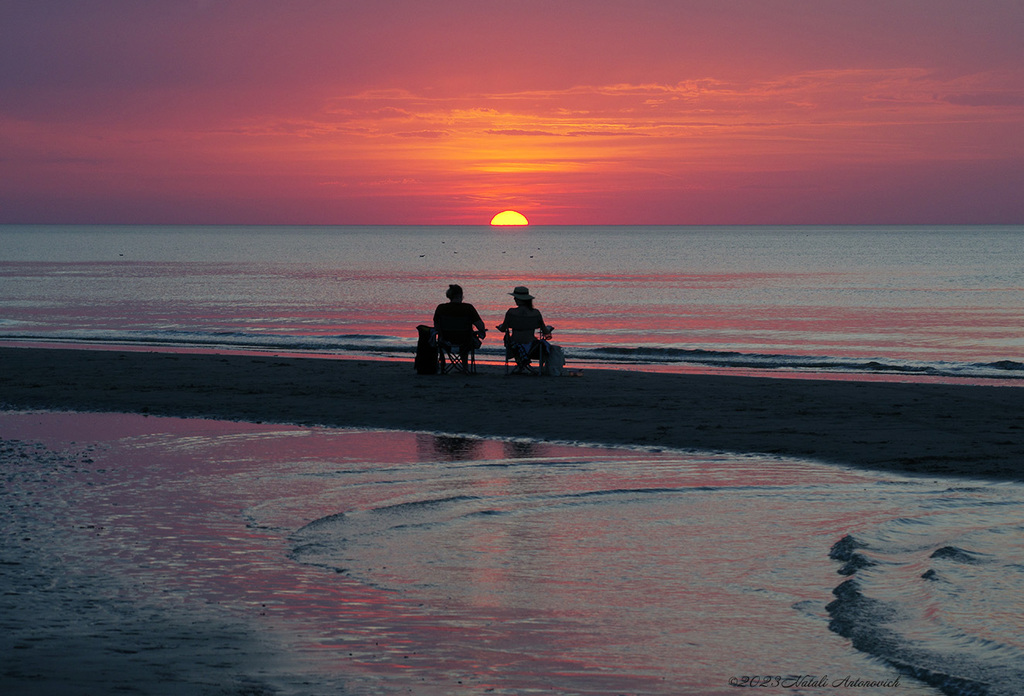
392, 561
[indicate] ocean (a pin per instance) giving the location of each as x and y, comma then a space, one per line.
177, 556
928, 303
165, 556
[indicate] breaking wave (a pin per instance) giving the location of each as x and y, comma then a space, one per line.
399, 347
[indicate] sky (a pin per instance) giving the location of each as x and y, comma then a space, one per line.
639, 112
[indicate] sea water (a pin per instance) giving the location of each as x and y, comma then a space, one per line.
935, 302
381, 562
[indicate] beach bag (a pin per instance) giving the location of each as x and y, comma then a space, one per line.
556, 361
426, 351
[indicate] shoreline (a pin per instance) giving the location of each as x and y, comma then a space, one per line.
906, 427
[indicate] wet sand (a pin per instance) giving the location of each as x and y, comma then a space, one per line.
71, 630
926, 429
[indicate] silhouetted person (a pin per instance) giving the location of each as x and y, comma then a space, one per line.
521, 323
523, 320
455, 308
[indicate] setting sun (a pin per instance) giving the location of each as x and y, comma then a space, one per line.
509, 217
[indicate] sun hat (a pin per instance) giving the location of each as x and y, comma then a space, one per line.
521, 292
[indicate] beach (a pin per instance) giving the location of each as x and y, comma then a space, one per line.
913, 428
250, 524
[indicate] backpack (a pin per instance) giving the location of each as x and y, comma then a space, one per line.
426, 351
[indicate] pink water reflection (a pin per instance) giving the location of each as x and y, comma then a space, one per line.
510, 565
169, 505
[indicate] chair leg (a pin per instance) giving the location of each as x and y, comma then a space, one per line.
520, 355
467, 362
523, 365
448, 361
455, 361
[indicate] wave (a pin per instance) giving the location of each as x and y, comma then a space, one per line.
340, 343
874, 626
775, 361
401, 347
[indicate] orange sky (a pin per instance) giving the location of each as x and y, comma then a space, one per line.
595, 112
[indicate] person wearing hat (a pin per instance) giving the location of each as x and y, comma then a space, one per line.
522, 322
523, 319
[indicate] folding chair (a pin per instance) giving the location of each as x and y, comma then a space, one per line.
522, 355
456, 345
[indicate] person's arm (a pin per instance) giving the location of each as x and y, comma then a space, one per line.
504, 323
545, 330
478, 323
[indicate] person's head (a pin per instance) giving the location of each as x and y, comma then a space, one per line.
454, 293
521, 294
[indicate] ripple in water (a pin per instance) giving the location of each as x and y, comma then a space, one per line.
404, 560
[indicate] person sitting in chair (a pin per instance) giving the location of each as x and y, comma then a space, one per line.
466, 339
522, 322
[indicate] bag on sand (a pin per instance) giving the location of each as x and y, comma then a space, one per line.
426, 351
556, 361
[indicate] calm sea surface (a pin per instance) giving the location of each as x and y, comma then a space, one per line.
357, 562
944, 303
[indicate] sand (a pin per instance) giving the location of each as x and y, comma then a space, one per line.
66, 632
916, 428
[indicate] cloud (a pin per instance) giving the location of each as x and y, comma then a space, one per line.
429, 134
986, 99
515, 132
578, 98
